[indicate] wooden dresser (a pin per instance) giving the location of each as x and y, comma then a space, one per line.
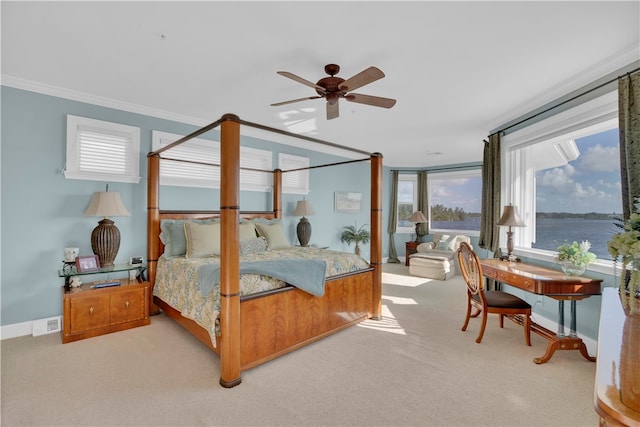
617, 386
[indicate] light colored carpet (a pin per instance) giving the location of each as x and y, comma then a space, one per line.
415, 367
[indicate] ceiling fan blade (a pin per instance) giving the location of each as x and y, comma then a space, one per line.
332, 110
294, 100
365, 77
376, 101
300, 80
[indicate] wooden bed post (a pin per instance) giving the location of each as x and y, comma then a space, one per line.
230, 369
277, 193
153, 223
376, 232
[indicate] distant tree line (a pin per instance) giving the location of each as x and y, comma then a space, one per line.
590, 215
442, 213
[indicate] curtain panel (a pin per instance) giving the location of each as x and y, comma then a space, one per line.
423, 202
490, 212
629, 127
393, 219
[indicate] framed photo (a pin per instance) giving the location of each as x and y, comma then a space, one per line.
348, 202
87, 263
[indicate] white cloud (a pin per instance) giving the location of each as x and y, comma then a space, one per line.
600, 159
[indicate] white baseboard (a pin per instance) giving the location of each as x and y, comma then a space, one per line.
16, 330
25, 328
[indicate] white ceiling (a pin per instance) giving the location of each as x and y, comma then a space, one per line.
457, 69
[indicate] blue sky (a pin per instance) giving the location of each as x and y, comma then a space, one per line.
591, 183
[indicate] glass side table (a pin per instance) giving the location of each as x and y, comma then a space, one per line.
69, 270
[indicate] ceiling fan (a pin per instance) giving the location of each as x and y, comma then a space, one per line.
333, 88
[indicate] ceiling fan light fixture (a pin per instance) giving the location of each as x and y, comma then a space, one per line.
333, 88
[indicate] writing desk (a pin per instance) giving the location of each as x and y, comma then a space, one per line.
551, 283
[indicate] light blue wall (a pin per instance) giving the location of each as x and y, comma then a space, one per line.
42, 212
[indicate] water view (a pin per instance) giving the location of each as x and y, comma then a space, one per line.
552, 232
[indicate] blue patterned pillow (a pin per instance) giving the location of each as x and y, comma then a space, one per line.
253, 246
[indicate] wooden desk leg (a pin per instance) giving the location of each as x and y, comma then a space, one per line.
559, 341
567, 343
556, 342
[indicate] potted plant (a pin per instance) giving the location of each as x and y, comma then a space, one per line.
575, 257
351, 233
624, 247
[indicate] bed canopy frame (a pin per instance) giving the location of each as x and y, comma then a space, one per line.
234, 351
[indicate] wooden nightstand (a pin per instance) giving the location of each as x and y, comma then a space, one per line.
89, 312
411, 248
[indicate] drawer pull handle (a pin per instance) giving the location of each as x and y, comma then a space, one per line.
91, 310
126, 304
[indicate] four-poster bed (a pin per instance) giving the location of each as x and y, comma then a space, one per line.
253, 329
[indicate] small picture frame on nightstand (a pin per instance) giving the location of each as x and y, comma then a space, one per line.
136, 260
87, 263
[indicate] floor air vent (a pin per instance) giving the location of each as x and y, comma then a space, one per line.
46, 326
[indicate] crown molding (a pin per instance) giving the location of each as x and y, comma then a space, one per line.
45, 89
60, 92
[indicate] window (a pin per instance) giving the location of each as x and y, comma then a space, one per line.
563, 175
102, 151
206, 173
407, 202
294, 182
455, 200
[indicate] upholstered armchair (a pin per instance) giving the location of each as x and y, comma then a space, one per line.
437, 259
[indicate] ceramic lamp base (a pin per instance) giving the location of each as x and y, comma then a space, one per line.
304, 231
105, 241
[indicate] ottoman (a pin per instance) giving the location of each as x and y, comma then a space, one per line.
431, 266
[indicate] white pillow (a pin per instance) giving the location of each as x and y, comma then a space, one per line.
203, 240
247, 231
274, 235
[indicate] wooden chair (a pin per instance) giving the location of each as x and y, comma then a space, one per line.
485, 302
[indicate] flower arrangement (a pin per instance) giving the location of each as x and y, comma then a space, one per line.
624, 247
576, 253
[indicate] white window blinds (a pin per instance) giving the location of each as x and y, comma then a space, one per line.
98, 150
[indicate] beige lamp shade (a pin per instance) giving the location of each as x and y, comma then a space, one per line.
303, 208
106, 204
105, 238
417, 217
510, 217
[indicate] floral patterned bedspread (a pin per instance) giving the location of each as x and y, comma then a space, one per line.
177, 280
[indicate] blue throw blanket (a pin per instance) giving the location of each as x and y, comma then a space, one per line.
305, 274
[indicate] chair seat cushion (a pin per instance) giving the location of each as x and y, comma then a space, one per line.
503, 299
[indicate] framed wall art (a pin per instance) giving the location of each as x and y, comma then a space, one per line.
348, 202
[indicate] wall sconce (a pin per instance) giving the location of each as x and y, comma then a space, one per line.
304, 226
105, 238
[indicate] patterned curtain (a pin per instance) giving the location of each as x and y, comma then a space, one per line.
393, 219
629, 125
490, 212
423, 201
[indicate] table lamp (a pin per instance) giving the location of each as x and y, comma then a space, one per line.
105, 238
418, 218
304, 226
510, 218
